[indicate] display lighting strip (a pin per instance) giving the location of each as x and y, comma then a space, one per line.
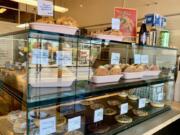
35, 3
2, 10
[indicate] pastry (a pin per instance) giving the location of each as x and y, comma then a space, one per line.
101, 71
140, 113
130, 69
124, 66
64, 72
108, 66
67, 20
139, 68
116, 70
157, 104
133, 97
49, 20
74, 133
19, 126
96, 106
154, 68
124, 119
109, 111
87, 102
123, 94
113, 102
60, 124
98, 129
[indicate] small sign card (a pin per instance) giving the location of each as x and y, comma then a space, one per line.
74, 123
137, 59
115, 58
116, 23
124, 108
144, 59
142, 103
98, 115
47, 126
40, 56
45, 7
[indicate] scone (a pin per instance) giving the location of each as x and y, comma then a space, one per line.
113, 102
67, 20
154, 68
157, 104
116, 70
124, 119
130, 69
96, 106
123, 94
49, 20
140, 113
139, 68
109, 111
133, 97
101, 71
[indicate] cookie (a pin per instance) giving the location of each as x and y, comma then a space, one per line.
113, 102
96, 106
123, 94
87, 102
157, 104
124, 119
140, 113
133, 97
109, 111
74, 133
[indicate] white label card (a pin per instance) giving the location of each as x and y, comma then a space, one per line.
40, 56
47, 126
115, 58
74, 123
144, 59
45, 7
64, 58
137, 59
124, 108
142, 103
98, 115
160, 96
116, 23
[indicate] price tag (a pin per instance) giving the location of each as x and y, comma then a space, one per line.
142, 103
115, 58
98, 115
144, 59
137, 59
47, 126
74, 123
116, 23
40, 56
124, 108
45, 7
64, 58
160, 96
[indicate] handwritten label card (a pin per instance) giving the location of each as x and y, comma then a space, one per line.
64, 58
142, 103
98, 115
144, 59
124, 108
74, 123
116, 23
115, 58
45, 7
47, 126
137, 59
40, 56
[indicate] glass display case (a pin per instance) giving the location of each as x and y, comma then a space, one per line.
75, 85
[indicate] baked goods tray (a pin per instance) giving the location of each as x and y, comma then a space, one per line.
109, 37
133, 75
6, 128
106, 79
52, 82
152, 73
114, 126
54, 28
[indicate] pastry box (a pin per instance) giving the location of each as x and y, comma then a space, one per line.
54, 28
109, 37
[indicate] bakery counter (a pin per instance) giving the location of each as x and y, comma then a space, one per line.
155, 124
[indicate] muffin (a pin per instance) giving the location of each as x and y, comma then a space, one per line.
101, 71
130, 69
123, 119
116, 70
109, 111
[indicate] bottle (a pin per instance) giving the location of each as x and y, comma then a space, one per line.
153, 36
164, 38
143, 34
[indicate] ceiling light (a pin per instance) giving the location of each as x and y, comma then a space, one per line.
2, 10
34, 3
